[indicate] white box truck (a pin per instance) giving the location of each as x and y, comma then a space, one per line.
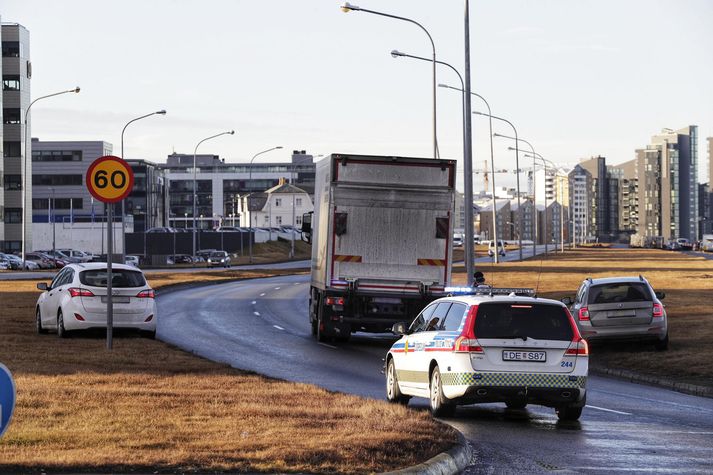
381, 241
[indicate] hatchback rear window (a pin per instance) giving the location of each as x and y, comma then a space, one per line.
619, 292
119, 278
511, 320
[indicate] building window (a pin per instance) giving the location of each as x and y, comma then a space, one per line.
12, 149
13, 182
56, 180
11, 83
11, 49
58, 203
56, 155
278, 202
278, 220
298, 220
298, 202
11, 116
267, 219
13, 215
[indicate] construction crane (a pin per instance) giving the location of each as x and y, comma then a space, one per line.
486, 173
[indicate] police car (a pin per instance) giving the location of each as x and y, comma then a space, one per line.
485, 345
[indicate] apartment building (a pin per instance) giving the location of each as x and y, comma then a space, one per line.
604, 199
16, 71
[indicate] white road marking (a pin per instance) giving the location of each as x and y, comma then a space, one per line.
608, 410
277, 288
254, 302
262, 294
297, 283
257, 313
609, 469
328, 346
279, 327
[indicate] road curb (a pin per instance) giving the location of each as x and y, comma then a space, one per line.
634, 377
450, 462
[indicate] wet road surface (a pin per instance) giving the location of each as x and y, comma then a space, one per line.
262, 325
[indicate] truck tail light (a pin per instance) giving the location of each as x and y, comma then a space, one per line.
658, 310
467, 342
146, 294
578, 348
584, 314
79, 292
335, 301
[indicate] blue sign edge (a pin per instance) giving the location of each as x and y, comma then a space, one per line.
14, 398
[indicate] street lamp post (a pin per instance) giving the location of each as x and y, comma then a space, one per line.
347, 7
24, 167
195, 194
468, 191
249, 211
123, 202
534, 186
545, 162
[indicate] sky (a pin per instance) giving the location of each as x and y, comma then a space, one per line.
577, 78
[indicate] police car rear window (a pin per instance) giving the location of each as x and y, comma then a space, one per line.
512, 320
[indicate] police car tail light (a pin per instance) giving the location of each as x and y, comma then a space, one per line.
77, 292
658, 310
467, 345
584, 314
578, 348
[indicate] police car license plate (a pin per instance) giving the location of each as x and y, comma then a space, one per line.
536, 356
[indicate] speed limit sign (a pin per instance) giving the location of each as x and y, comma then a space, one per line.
109, 179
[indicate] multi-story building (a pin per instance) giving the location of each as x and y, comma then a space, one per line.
580, 198
520, 220
148, 200
658, 189
59, 192
502, 217
604, 205
281, 205
16, 72
219, 185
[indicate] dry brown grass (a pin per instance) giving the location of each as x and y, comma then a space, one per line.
146, 406
686, 279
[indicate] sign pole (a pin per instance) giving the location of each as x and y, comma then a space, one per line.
110, 252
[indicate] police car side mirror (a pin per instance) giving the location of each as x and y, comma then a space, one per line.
660, 295
567, 301
399, 328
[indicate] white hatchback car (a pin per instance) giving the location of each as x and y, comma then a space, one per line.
76, 299
493, 345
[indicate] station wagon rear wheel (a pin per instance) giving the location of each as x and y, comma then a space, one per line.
440, 406
393, 392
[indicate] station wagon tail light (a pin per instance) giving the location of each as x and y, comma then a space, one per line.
146, 294
78, 292
584, 314
658, 310
467, 342
335, 301
578, 348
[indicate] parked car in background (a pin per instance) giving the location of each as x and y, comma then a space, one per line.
491, 248
161, 229
218, 258
57, 254
684, 244
457, 241
76, 299
42, 260
4, 263
620, 308
203, 254
14, 264
182, 259
228, 229
132, 261
79, 255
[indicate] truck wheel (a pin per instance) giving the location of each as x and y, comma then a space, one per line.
393, 392
440, 406
321, 326
313, 324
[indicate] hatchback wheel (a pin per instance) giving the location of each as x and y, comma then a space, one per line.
393, 392
38, 323
662, 345
61, 332
439, 404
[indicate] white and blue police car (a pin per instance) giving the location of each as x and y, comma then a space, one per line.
488, 345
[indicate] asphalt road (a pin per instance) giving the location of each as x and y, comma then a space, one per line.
262, 326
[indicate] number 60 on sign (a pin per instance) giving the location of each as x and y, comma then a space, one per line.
109, 179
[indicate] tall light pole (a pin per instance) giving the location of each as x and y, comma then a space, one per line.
123, 202
195, 194
468, 160
347, 7
250, 177
468, 229
534, 195
517, 175
24, 166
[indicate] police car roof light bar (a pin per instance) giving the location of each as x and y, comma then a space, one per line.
487, 290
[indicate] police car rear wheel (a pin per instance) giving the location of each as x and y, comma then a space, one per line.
439, 405
393, 392
569, 413
516, 405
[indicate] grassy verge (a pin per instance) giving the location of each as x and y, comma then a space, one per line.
147, 406
686, 279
